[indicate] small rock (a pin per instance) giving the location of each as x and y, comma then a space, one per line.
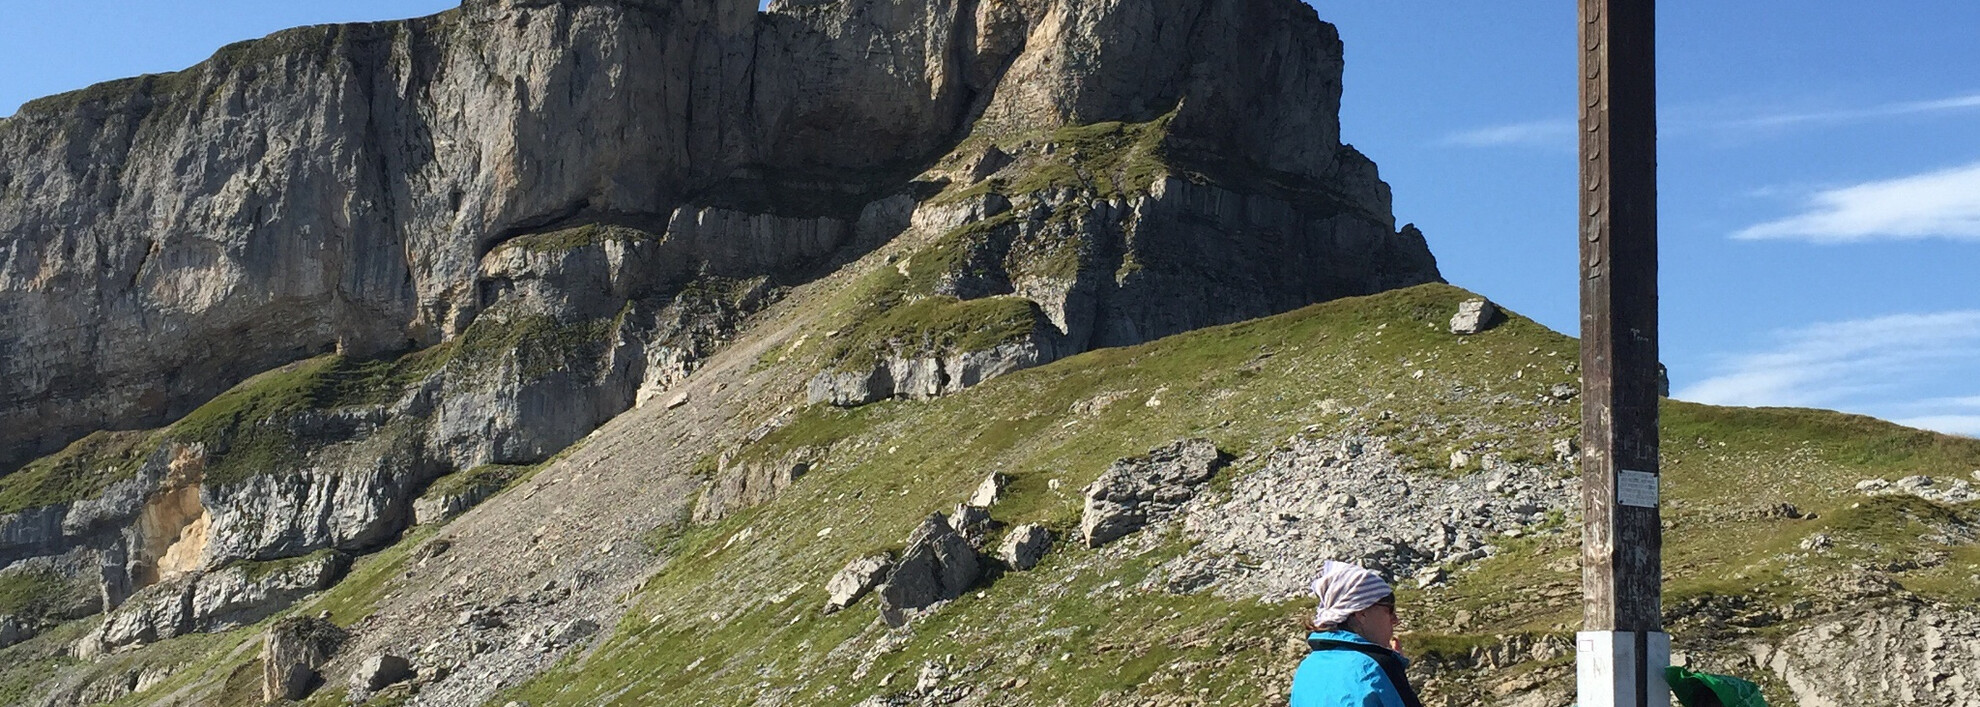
1430, 576
1473, 316
1025, 546
930, 677
990, 162
11, 630
380, 671
574, 632
971, 522
1563, 391
989, 491
678, 400
1566, 450
1460, 459
855, 580
1817, 542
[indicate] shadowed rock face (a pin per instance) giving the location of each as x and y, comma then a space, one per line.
163, 237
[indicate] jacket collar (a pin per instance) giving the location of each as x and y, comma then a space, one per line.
1350, 637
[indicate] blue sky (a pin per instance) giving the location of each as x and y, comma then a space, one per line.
1820, 168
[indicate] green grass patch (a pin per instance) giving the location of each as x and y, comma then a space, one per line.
540, 344
30, 668
573, 238
886, 319
82, 470
261, 569
35, 594
1110, 159
487, 478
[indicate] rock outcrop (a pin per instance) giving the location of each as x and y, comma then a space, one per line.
339, 187
1896, 654
213, 601
1136, 491
938, 565
471, 239
740, 484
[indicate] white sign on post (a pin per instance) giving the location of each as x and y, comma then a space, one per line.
1636, 488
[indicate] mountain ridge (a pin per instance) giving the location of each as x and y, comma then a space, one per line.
520, 339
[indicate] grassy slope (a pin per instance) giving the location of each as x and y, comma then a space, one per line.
738, 617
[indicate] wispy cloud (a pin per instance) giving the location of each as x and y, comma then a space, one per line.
1538, 133
1942, 204
1559, 132
1868, 365
1857, 115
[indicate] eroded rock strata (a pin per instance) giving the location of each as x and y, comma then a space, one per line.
340, 187
273, 305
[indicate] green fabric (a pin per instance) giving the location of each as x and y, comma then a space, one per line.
1708, 690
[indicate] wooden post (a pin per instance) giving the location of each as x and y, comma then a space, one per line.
1622, 650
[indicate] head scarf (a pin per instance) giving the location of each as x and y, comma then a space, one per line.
1344, 589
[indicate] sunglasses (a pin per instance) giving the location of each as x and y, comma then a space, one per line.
1390, 604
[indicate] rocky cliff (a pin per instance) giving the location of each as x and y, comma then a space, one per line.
547, 352
341, 187
272, 304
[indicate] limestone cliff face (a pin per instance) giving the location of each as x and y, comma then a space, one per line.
165, 236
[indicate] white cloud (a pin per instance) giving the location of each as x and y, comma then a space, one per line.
1538, 133
1962, 425
1943, 204
1559, 132
1865, 365
1856, 115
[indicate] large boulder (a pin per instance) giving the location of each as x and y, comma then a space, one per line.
1474, 316
1136, 491
291, 652
938, 565
380, 671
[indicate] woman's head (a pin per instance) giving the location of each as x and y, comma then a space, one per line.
1355, 599
1376, 623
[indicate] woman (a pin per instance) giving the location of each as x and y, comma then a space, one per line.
1354, 662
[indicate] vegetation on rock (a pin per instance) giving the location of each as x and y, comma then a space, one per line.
82, 470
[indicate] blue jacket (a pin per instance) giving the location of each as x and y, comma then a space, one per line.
1343, 678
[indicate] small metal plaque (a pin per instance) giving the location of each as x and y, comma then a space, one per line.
1636, 488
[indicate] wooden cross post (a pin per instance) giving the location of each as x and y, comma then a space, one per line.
1622, 649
